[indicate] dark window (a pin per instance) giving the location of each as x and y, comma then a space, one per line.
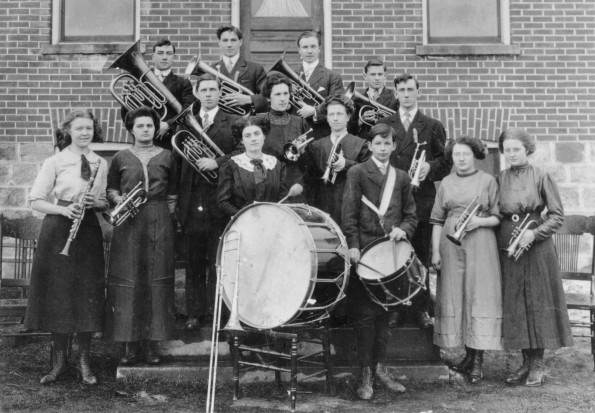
464, 21
97, 20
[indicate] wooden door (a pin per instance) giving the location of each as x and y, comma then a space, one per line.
271, 27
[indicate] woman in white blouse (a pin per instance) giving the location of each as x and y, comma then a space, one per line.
67, 291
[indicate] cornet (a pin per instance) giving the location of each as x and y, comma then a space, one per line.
330, 175
515, 250
464, 219
292, 149
128, 207
414, 169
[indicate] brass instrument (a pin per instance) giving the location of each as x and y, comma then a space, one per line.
464, 219
292, 150
301, 92
234, 323
142, 86
228, 86
76, 223
192, 143
515, 250
128, 207
380, 111
330, 176
414, 169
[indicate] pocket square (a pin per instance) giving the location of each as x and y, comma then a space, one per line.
320, 89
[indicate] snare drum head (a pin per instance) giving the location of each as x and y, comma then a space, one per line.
383, 258
276, 258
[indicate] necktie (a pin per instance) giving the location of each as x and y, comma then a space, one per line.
205, 122
229, 66
382, 169
375, 95
307, 73
160, 76
260, 174
406, 122
85, 168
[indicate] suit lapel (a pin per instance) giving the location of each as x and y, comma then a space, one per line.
241, 68
316, 77
418, 123
374, 174
218, 122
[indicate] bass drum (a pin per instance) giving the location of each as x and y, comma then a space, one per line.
391, 272
291, 262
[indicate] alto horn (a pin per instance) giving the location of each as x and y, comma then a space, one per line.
292, 149
515, 250
140, 86
380, 111
464, 219
228, 86
128, 207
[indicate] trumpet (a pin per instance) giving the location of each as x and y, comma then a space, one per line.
414, 169
228, 86
515, 250
192, 143
464, 219
292, 149
76, 223
128, 207
330, 175
380, 111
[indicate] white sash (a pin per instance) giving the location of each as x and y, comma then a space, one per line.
386, 195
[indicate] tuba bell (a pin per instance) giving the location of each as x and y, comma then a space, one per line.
461, 225
380, 111
140, 86
228, 86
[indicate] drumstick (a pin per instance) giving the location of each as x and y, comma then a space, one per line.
371, 268
395, 260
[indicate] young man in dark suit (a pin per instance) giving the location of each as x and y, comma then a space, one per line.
202, 222
431, 135
385, 187
324, 81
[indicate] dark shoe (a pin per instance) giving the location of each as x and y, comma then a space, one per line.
130, 354
365, 391
466, 364
476, 373
84, 369
192, 324
536, 375
388, 382
151, 356
519, 376
424, 320
59, 362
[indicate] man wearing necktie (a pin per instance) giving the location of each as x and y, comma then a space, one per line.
324, 81
202, 222
432, 134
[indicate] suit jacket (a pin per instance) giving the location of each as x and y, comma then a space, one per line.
360, 224
195, 191
250, 75
387, 98
327, 83
431, 132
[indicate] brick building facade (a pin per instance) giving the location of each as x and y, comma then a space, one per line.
546, 86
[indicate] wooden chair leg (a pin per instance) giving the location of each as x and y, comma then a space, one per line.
293, 388
328, 364
236, 366
592, 315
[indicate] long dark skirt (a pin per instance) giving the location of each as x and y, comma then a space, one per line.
67, 293
534, 306
140, 291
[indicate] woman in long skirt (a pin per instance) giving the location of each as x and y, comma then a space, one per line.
67, 291
468, 296
535, 315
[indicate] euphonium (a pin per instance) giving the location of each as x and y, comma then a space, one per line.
515, 250
464, 219
301, 92
330, 175
192, 143
128, 207
292, 149
76, 223
380, 111
228, 86
143, 87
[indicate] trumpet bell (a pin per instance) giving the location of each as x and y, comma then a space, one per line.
455, 238
291, 152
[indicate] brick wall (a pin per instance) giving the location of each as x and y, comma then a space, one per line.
548, 89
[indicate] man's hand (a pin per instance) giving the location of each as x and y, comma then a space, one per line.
424, 169
207, 164
354, 255
397, 234
369, 116
306, 111
339, 164
236, 99
163, 127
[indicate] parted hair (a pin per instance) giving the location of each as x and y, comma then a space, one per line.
63, 137
229, 28
338, 99
237, 128
520, 135
140, 112
164, 42
273, 79
308, 34
207, 76
383, 130
404, 77
478, 148
374, 62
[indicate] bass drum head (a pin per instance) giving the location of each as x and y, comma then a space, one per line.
383, 258
276, 262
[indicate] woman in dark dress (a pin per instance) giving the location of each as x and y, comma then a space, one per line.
140, 290
67, 291
252, 175
535, 315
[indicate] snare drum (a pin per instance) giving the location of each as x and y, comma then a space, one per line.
293, 264
391, 272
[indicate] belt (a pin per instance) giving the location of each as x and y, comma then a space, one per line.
521, 216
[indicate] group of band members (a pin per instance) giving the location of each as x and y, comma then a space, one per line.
485, 300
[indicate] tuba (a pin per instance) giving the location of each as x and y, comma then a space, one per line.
192, 143
292, 149
142, 86
380, 111
330, 176
128, 207
464, 219
301, 92
228, 86
515, 250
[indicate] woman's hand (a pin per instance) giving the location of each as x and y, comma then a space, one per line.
72, 211
474, 223
436, 260
354, 255
527, 238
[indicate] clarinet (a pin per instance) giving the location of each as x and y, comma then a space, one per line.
76, 223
